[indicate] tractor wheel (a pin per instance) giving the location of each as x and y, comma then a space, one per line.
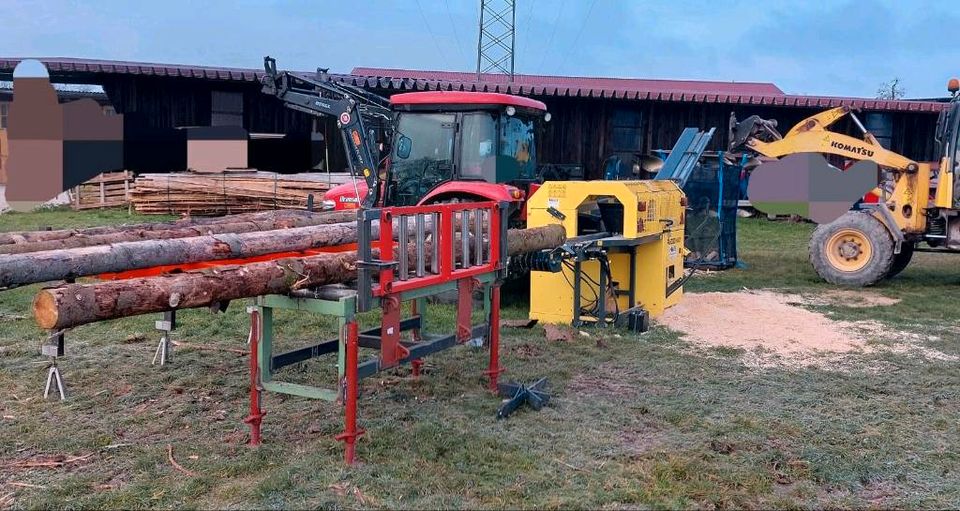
853, 250
901, 260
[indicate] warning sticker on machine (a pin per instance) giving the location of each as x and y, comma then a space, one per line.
674, 251
557, 189
553, 203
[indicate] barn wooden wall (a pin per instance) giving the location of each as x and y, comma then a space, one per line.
579, 132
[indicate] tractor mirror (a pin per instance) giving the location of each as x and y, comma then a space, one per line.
404, 145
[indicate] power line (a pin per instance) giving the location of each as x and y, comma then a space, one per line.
453, 25
526, 23
432, 35
576, 39
553, 33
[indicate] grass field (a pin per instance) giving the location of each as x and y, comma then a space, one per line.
639, 422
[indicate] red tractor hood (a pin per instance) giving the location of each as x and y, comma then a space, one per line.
345, 196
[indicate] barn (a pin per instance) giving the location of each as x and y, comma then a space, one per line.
592, 118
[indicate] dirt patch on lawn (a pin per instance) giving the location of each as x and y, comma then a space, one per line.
608, 381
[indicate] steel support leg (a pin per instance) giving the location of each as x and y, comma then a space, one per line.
415, 336
493, 372
54, 350
351, 432
465, 289
166, 325
256, 393
53, 375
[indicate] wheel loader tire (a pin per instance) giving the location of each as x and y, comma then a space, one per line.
901, 260
853, 250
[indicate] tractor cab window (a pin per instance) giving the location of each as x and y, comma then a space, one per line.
426, 159
478, 146
517, 148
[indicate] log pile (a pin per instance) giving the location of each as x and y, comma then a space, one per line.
72, 305
227, 193
110, 189
270, 237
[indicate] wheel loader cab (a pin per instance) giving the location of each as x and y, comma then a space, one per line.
460, 136
948, 138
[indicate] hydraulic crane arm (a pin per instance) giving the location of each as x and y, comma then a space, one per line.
352, 107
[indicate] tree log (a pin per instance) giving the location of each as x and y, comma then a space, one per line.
33, 267
72, 305
21, 269
33, 241
77, 304
133, 235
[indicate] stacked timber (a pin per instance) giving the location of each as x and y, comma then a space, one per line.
227, 193
108, 190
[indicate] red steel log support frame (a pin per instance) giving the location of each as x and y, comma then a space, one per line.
443, 264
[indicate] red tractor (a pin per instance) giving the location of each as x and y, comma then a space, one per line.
445, 146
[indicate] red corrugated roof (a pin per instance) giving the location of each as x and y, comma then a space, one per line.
71, 65
748, 93
579, 82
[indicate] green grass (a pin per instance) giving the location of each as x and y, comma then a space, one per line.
641, 422
66, 218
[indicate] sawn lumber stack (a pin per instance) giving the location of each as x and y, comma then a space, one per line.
226, 193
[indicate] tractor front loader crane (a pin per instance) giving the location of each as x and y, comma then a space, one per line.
352, 107
874, 241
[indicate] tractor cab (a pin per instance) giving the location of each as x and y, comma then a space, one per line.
455, 145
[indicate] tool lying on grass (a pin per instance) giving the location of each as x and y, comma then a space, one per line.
517, 394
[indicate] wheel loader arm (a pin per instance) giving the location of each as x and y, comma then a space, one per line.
819, 122
811, 136
828, 142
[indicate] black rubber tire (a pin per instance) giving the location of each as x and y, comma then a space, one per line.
901, 260
881, 245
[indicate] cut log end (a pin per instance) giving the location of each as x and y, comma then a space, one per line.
45, 309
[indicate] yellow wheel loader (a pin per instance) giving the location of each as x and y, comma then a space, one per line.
918, 207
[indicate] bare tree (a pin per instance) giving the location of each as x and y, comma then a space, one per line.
891, 90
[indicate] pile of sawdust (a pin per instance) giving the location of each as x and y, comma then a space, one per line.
774, 329
759, 319
860, 298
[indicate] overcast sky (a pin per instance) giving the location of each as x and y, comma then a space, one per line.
834, 47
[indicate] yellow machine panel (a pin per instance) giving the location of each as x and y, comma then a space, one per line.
640, 235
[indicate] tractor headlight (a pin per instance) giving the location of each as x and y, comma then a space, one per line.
328, 205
